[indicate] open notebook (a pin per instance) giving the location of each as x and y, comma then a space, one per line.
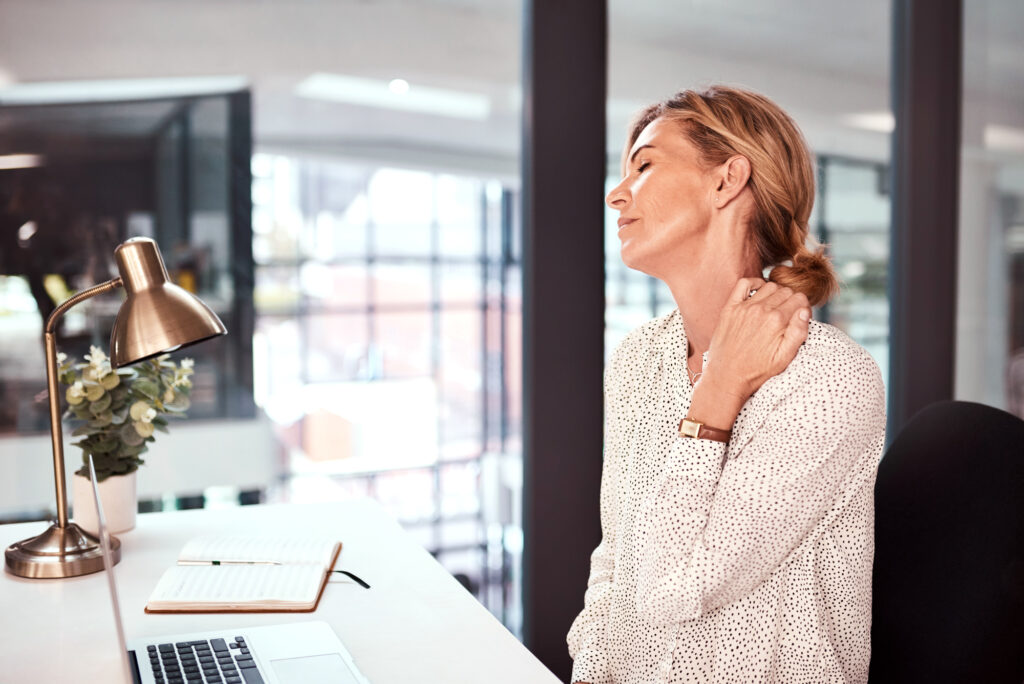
246, 574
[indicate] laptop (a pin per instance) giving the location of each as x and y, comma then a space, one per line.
290, 653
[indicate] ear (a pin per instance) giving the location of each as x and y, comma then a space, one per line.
731, 177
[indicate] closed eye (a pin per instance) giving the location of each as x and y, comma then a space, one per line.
643, 165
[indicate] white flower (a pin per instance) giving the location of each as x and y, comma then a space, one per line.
187, 364
75, 394
95, 355
61, 358
148, 415
77, 390
99, 362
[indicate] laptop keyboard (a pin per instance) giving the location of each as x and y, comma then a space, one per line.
213, 660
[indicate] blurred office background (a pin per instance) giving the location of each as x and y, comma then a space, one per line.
340, 180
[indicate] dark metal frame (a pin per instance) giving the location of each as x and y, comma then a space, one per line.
927, 50
563, 171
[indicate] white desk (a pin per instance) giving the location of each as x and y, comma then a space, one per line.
416, 623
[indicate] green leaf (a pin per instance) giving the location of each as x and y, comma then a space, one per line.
180, 404
129, 435
85, 430
102, 420
93, 391
146, 387
105, 446
126, 450
162, 427
100, 405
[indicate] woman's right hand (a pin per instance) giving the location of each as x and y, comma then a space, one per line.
756, 338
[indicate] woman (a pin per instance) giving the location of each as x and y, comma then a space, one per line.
737, 545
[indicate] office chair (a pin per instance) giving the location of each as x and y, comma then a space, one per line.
948, 590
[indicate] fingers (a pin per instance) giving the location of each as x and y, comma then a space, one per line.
796, 332
772, 295
743, 288
783, 306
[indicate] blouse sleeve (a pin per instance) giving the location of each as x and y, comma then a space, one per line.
586, 638
713, 531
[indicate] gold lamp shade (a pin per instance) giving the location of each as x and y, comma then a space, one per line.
158, 316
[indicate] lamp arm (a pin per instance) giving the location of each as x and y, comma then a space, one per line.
56, 434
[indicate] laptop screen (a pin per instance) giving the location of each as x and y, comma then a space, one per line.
108, 565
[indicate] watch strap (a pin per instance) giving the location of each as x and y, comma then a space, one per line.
696, 430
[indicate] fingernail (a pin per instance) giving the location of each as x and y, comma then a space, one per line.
805, 315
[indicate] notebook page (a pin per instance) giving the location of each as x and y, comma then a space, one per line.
317, 550
239, 584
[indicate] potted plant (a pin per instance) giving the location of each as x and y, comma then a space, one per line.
117, 413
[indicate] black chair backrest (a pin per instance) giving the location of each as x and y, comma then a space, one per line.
948, 590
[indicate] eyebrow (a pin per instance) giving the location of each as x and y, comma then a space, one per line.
637, 151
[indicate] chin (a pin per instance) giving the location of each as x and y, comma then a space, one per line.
635, 261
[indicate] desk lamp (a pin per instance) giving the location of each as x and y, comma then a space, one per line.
156, 317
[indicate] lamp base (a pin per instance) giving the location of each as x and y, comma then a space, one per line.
58, 552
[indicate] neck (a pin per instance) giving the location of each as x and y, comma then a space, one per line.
702, 288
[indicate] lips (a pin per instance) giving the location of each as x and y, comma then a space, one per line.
623, 222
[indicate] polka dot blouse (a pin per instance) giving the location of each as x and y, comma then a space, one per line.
741, 562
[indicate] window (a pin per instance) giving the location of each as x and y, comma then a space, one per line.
386, 349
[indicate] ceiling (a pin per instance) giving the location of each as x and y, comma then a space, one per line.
823, 61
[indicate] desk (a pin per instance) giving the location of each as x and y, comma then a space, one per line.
416, 623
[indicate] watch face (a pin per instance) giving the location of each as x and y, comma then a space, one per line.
689, 428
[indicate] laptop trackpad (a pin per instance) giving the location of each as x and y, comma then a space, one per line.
321, 668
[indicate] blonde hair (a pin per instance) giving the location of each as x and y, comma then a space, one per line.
721, 122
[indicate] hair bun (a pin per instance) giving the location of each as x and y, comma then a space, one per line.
810, 273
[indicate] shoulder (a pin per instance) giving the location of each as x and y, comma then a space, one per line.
831, 362
831, 350
832, 386
653, 336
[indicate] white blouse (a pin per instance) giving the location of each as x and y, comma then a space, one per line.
741, 562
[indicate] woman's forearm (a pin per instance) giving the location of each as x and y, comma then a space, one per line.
714, 403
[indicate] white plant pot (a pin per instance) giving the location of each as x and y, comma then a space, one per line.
120, 503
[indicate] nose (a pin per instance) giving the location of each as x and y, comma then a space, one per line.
618, 197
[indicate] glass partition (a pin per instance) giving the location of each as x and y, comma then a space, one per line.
990, 276
102, 172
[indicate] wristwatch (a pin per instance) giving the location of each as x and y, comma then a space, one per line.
697, 430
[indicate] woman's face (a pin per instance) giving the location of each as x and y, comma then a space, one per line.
665, 201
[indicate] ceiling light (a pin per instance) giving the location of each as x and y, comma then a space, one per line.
1006, 138
399, 86
20, 161
26, 232
374, 93
880, 122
